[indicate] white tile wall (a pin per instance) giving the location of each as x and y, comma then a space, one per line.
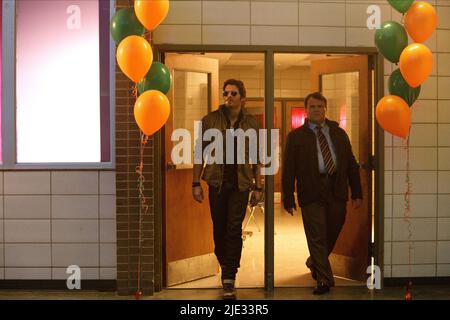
421, 252
34, 231
28, 273
388, 158
226, 12
274, 13
108, 273
443, 252
85, 273
180, 34
2, 253
444, 111
443, 270
414, 229
387, 252
17, 182
443, 45
443, 85
422, 182
429, 88
422, 135
421, 206
1, 182
388, 182
387, 230
224, 34
27, 255
444, 182
274, 35
107, 207
75, 207
360, 37
184, 12
27, 207
43, 213
356, 14
443, 14
321, 36
444, 205
75, 231
424, 111
75, 182
1, 206
419, 158
444, 64
108, 253
387, 271
444, 135
418, 270
107, 230
444, 156
107, 182
443, 229
322, 14
388, 206
83, 255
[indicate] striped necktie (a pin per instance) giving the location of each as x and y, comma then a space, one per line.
326, 153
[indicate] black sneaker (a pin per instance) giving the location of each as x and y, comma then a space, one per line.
229, 291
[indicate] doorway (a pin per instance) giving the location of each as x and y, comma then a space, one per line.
345, 80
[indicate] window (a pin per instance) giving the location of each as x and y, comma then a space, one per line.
62, 83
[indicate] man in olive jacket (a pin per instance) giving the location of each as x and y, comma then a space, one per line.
318, 158
230, 182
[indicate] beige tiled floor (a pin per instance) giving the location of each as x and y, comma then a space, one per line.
291, 252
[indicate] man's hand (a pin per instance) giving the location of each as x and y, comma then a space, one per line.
291, 211
356, 203
197, 193
255, 198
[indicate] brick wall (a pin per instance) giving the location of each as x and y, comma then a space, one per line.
127, 158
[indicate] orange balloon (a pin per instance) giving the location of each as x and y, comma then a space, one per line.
416, 64
420, 21
151, 111
394, 116
151, 12
134, 57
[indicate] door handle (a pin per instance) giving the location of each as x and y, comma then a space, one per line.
370, 164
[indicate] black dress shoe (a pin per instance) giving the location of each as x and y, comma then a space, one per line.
321, 288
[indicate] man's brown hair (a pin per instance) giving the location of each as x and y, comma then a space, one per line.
238, 83
316, 95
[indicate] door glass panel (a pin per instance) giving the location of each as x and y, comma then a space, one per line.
342, 93
190, 102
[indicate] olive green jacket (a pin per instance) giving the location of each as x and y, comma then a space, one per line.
213, 173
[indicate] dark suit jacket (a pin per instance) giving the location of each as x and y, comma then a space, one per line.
301, 164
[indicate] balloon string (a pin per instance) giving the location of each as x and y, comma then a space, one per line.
143, 208
406, 218
134, 91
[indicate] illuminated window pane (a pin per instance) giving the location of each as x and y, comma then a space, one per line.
58, 115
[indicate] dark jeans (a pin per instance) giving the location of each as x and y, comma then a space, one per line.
228, 211
323, 221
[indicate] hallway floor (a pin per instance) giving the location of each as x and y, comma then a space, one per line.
338, 293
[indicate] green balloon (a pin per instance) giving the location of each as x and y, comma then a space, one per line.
124, 23
401, 5
390, 40
399, 87
157, 78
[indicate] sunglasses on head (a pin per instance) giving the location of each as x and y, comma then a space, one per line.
233, 93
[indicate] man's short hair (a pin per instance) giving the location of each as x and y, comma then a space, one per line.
316, 95
238, 83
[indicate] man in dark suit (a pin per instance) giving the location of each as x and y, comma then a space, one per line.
318, 158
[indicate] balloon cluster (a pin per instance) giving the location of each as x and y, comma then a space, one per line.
415, 62
135, 59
